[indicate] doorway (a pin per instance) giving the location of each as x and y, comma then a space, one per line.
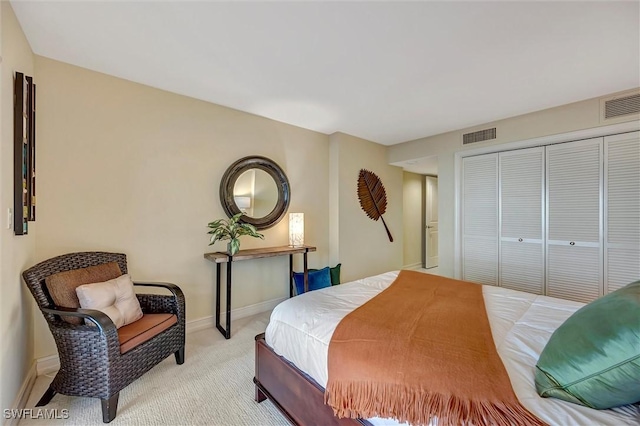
430, 231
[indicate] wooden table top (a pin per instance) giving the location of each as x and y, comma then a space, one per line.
257, 253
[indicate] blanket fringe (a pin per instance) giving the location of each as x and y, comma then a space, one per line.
419, 407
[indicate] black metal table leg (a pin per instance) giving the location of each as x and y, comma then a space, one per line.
218, 271
306, 273
228, 333
290, 275
225, 332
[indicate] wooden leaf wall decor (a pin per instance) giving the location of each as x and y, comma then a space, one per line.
373, 197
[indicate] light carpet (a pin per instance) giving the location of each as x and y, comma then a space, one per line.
213, 387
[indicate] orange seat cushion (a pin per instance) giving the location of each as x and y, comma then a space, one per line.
62, 286
150, 325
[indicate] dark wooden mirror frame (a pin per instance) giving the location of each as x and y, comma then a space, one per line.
255, 162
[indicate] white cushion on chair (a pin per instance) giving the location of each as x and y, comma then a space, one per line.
115, 298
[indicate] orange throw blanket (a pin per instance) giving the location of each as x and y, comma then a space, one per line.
422, 350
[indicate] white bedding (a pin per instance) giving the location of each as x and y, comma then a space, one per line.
301, 328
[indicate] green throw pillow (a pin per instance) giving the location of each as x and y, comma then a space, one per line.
335, 274
593, 358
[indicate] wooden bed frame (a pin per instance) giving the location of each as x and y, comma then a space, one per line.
294, 393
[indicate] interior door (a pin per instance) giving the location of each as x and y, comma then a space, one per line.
431, 220
574, 220
480, 219
522, 220
622, 210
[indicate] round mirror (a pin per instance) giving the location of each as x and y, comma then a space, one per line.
256, 187
255, 193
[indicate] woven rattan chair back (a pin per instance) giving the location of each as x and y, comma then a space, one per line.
35, 276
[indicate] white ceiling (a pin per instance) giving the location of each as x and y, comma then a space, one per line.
384, 71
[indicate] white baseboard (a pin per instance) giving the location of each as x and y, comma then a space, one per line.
246, 311
23, 394
47, 364
258, 308
50, 364
413, 266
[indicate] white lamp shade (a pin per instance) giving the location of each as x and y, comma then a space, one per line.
296, 229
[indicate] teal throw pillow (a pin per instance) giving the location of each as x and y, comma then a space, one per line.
318, 279
334, 272
593, 358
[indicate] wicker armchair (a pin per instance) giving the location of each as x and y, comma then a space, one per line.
91, 364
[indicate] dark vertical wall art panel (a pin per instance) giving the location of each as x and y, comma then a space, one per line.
23, 153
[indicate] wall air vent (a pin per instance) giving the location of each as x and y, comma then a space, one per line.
622, 106
479, 136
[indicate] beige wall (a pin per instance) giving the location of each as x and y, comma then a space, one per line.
126, 167
361, 244
553, 121
17, 252
412, 225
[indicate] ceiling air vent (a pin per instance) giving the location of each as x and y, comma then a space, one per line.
622, 106
479, 136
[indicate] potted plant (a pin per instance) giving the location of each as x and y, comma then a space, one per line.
231, 229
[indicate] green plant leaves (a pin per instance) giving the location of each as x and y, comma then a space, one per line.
231, 229
234, 246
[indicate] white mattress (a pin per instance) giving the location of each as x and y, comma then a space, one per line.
301, 328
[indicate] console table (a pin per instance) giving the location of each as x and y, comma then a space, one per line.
221, 257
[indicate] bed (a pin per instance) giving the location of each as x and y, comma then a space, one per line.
291, 356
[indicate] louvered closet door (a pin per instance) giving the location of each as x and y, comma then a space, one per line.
574, 226
622, 210
480, 219
521, 220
